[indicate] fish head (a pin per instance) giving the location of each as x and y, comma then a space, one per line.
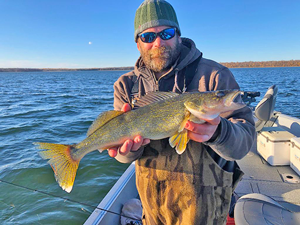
209, 105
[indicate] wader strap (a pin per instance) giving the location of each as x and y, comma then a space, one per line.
135, 87
237, 175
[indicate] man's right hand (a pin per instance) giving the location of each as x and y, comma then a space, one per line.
128, 145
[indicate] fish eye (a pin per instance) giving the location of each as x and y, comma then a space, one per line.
220, 94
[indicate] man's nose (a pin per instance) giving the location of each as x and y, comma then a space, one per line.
158, 42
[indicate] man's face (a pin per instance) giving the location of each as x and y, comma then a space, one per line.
161, 54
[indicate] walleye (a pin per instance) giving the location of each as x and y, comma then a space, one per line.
163, 115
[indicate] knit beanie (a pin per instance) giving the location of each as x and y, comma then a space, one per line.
153, 13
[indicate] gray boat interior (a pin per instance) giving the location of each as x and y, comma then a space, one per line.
268, 194
266, 211
265, 108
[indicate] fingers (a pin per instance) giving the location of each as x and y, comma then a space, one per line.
202, 132
126, 107
214, 121
133, 145
123, 149
126, 147
198, 137
129, 146
146, 141
112, 152
198, 132
137, 143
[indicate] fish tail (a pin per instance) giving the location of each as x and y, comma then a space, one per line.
60, 159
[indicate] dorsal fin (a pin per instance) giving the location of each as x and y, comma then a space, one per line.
102, 119
152, 97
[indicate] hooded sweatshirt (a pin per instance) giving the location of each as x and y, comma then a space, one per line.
195, 187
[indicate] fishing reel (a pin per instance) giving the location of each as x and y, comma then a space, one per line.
249, 96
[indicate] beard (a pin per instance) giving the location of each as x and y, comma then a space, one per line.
161, 58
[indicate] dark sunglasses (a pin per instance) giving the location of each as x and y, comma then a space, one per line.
165, 34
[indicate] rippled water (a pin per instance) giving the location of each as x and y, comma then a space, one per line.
52, 107
287, 80
59, 107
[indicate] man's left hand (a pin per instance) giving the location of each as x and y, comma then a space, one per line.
202, 132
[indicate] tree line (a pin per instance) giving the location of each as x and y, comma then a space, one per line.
250, 64
60, 69
253, 64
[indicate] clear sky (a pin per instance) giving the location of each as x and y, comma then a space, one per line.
98, 33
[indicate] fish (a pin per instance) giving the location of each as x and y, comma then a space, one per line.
157, 115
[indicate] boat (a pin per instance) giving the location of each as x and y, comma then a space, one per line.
267, 194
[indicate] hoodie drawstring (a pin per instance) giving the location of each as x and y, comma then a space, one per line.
176, 82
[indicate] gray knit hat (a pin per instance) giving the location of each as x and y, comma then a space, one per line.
153, 13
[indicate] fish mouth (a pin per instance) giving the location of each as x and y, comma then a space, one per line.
235, 100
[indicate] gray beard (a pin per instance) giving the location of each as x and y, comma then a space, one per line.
161, 59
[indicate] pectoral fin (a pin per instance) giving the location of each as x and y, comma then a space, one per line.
179, 140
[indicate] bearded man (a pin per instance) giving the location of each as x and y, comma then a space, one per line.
196, 186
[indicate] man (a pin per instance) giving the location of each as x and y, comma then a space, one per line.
195, 187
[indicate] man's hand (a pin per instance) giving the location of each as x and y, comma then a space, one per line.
128, 145
202, 132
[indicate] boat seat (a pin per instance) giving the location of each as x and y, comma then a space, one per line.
258, 209
265, 108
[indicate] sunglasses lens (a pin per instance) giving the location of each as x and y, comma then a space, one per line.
167, 34
148, 37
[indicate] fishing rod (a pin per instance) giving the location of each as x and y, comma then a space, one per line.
66, 199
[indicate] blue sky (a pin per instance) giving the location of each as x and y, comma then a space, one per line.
90, 33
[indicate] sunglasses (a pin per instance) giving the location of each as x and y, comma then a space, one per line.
165, 34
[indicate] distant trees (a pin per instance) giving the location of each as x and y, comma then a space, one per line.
251, 64
19, 70
60, 69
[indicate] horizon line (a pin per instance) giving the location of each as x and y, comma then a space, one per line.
130, 67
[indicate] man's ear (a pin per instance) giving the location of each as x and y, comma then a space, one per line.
138, 46
179, 39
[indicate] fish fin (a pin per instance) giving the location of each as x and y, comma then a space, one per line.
63, 165
152, 97
179, 141
102, 119
187, 116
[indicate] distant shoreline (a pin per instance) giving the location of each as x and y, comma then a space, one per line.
250, 64
62, 69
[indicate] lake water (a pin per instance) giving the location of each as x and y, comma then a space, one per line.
59, 107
